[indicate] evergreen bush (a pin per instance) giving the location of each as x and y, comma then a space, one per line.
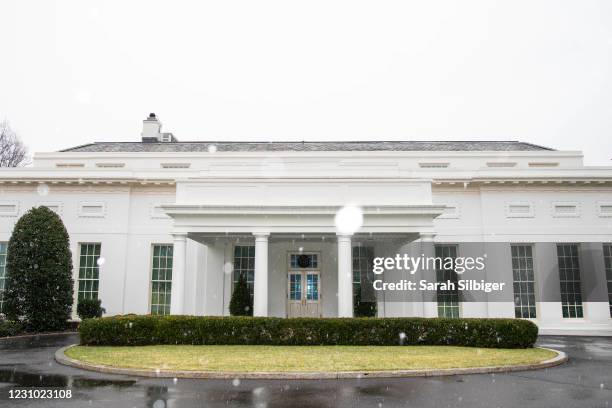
39, 272
10, 328
364, 308
90, 308
241, 303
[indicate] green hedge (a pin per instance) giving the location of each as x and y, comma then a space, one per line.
150, 330
10, 328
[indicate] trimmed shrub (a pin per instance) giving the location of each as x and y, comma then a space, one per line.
362, 308
90, 308
10, 328
151, 330
39, 272
241, 303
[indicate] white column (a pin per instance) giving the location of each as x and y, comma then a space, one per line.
177, 298
345, 276
260, 295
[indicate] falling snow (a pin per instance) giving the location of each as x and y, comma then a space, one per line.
42, 189
349, 219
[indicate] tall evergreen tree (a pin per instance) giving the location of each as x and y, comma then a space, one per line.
241, 303
39, 272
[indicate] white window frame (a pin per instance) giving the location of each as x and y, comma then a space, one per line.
151, 256
535, 283
459, 302
78, 275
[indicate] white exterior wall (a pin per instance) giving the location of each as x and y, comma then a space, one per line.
132, 221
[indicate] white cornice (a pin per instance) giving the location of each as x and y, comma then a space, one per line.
438, 176
174, 209
310, 154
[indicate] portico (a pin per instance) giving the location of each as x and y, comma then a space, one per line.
295, 228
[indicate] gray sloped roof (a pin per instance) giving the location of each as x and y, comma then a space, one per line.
365, 146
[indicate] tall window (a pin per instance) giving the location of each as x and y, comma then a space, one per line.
244, 262
448, 300
569, 278
161, 279
89, 271
362, 266
3, 247
608, 261
524, 287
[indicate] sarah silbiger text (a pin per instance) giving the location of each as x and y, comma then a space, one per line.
424, 285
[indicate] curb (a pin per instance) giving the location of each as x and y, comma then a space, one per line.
61, 358
33, 335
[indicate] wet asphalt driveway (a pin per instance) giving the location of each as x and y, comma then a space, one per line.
585, 381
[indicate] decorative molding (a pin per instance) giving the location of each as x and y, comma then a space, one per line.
58, 205
156, 211
86, 209
543, 164
425, 210
9, 208
452, 211
434, 165
175, 165
520, 209
501, 164
604, 208
565, 209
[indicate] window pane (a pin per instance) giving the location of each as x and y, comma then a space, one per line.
244, 262
161, 279
295, 286
569, 280
312, 288
89, 271
363, 258
608, 262
448, 300
522, 271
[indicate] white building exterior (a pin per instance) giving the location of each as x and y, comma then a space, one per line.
175, 222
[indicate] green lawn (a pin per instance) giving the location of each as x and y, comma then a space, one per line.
303, 358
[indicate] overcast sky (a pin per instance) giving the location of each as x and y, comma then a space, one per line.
73, 72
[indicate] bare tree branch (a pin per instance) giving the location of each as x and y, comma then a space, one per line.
13, 153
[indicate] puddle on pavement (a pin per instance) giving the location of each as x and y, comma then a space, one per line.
24, 379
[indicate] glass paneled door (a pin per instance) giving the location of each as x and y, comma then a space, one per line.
303, 288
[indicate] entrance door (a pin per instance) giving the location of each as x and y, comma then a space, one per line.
303, 292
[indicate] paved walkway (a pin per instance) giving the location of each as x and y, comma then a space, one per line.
586, 381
